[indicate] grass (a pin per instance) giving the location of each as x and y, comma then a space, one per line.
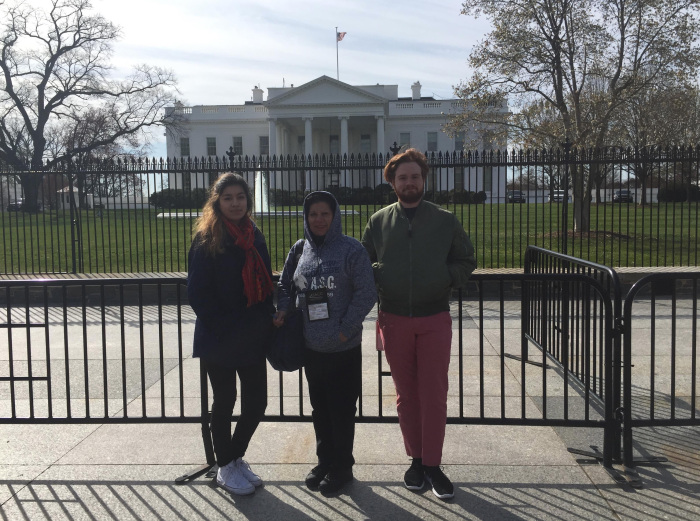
664, 234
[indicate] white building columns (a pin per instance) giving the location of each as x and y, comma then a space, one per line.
281, 140
272, 133
308, 136
343, 134
381, 148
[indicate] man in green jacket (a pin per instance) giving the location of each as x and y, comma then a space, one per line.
419, 252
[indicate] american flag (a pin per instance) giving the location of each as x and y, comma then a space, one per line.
340, 36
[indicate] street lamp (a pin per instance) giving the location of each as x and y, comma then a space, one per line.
231, 154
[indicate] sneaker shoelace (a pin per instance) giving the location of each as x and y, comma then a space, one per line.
246, 472
244, 467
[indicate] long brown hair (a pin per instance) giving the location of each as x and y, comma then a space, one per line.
209, 228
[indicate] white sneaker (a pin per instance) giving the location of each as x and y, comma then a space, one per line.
248, 474
230, 478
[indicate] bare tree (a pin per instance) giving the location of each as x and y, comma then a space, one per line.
662, 116
56, 74
585, 59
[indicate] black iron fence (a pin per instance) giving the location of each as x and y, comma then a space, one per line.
119, 217
118, 351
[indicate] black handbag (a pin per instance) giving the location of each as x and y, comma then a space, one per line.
286, 351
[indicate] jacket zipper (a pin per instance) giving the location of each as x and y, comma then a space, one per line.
410, 268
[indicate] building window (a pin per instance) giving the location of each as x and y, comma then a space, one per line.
488, 178
264, 145
211, 146
459, 178
459, 142
184, 147
432, 181
238, 145
405, 139
334, 144
301, 145
432, 142
365, 144
334, 178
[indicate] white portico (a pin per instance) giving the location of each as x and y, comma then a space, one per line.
327, 117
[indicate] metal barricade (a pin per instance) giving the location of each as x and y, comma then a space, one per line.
661, 356
558, 320
100, 351
118, 351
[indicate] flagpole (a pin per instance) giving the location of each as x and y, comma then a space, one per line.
337, 67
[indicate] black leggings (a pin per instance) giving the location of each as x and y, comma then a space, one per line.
253, 404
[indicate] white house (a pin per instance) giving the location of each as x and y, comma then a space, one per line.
327, 116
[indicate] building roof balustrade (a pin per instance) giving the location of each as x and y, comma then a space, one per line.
422, 107
223, 112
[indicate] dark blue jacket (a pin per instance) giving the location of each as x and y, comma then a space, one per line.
226, 330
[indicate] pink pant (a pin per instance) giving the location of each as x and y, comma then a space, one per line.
418, 352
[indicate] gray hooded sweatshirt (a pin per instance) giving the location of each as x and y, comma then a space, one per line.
342, 266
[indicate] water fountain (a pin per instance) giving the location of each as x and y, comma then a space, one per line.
261, 205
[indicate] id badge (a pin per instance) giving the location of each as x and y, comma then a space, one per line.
317, 304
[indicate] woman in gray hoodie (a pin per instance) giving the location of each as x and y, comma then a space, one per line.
335, 289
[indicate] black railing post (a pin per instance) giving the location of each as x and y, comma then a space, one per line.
565, 207
74, 222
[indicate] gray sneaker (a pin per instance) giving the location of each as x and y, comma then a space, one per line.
230, 478
248, 474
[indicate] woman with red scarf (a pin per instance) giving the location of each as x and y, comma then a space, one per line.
229, 286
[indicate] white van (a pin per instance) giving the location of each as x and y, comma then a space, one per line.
557, 196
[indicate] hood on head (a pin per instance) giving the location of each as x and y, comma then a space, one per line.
336, 228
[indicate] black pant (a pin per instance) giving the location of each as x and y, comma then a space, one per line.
253, 404
335, 381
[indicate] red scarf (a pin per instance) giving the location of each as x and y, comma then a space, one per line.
257, 284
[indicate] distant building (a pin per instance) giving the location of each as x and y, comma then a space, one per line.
322, 117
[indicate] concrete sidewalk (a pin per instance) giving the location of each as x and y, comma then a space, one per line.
127, 471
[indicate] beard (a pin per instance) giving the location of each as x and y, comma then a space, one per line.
410, 196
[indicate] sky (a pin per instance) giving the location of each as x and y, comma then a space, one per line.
219, 50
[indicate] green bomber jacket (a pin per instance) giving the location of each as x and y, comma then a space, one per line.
417, 263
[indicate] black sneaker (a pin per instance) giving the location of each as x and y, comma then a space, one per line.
413, 479
335, 480
442, 486
314, 478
